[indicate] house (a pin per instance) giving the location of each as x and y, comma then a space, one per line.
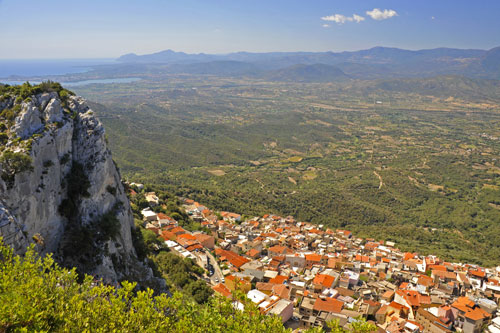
327, 304
381, 314
387, 296
296, 260
282, 308
322, 282
469, 316
432, 323
313, 259
230, 217
278, 250
149, 215
235, 283
222, 290
152, 199
495, 326
411, 299
232, 258
256, 296
206, 240
253, 254
165, 220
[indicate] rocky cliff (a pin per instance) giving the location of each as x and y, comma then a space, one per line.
59, 187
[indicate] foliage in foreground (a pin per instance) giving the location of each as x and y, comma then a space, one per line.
38, 295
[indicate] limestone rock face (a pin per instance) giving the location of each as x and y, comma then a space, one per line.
40, 206
29, 121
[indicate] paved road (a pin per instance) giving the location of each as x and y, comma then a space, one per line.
217, 271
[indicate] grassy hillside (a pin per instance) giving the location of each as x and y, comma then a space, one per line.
418, 166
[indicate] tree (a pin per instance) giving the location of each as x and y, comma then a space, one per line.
38, 295
358, 326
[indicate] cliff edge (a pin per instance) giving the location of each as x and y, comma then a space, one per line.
59, 187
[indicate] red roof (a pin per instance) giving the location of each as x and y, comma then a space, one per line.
470, 309
187, 236
313, 257
477, 273
253, 253
414, 298
234, 259
324, 280
279, 279
167, 235
278, 249
222, 290
194, 247
328, 305
178, 230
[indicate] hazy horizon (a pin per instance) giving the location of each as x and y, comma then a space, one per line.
97, 29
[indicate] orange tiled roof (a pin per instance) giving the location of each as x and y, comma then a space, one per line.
425, 281
167, 235
222, 290
278, 279
324, 280
470, 309
234, 259
252, 253
187, 236
328, 305
477, 314
477, 273
444, 274
313, 257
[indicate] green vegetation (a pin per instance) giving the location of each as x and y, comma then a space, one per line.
183, 274
109, 224
14, 163
26, 90
421, 169
77, 185
38, 295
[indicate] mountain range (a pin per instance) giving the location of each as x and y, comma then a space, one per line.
374, 63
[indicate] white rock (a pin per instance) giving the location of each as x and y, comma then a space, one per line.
28, 121
53, 112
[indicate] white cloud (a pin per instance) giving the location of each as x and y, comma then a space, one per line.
358, 18
433, 18
326, 26
379, 15
341, 19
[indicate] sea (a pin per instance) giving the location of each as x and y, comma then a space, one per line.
19, 71
42, 67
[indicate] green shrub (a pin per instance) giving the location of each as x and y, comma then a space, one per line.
3, 138
109, 225
37, 295
111, 189
77, 185
14, 163
65, 158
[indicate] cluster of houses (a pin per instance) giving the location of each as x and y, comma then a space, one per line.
308, 274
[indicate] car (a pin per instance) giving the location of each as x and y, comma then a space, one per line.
216, 280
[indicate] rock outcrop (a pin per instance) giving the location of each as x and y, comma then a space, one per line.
71, 201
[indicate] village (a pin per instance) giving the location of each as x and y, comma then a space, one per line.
309, 275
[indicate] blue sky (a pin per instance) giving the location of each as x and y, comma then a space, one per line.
109, 28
